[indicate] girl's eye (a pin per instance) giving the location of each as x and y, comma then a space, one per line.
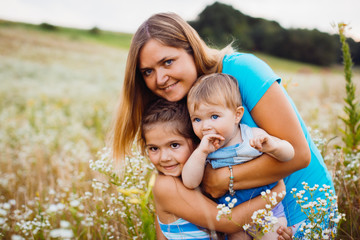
214, 116
153, 149
147, 72
168, 62
197, 119
175, 145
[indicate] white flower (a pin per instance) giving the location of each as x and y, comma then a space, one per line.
3, 212
246, 227
61, 233
227, 199
16, 237
64, 224
75, 203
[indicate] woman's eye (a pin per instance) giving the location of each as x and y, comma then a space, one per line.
168, 62
175, 145
147, 72
214, 116
197, 119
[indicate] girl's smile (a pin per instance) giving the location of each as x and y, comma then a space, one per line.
167, 149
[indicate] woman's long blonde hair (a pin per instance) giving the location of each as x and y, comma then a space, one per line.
171, 30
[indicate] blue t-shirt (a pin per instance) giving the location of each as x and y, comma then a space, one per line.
255, 77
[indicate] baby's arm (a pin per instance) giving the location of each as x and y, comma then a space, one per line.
279, 149
193, 169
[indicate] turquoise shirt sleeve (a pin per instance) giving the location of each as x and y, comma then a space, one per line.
254, 77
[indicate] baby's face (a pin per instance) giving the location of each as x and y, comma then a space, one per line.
215, 119
167, 149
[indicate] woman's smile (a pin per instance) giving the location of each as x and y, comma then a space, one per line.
168, 72
170, 87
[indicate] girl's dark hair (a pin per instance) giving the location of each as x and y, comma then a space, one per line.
174, 113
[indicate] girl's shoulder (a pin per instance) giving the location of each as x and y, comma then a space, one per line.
165, 185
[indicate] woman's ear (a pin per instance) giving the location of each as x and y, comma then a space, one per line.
239, 114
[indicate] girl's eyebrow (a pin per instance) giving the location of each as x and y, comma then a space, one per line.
149, 145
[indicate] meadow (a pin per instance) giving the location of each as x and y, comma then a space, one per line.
58, 92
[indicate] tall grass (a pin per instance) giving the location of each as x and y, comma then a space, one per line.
57, 181
347, 177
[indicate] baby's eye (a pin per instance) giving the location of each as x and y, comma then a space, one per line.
175, 145
214, 116
168, 62
147, 72
197, 119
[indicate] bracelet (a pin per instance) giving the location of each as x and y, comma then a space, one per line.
231, 183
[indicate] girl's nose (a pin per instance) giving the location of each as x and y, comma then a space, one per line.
164, 156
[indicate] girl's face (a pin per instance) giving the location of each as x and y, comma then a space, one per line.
168, 72
167, 150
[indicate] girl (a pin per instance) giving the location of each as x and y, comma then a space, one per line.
169, 140
165, 58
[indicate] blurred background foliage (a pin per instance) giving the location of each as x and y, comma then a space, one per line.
220, 24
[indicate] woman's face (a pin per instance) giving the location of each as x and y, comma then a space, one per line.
168, 72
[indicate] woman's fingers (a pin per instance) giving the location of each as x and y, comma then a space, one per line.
285, 233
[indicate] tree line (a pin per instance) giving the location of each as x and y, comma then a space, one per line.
220, 24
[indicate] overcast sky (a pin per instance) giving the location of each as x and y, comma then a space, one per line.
127, 15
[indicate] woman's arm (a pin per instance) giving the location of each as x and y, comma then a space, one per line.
275, 115
173, 198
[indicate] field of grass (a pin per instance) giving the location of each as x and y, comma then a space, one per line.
58, 90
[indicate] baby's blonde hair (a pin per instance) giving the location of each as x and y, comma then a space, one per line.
215, 89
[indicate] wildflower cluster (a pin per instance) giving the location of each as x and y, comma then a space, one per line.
263, 220
132, 202
322, 214
225, 209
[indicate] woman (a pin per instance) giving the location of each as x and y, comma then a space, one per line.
165, 58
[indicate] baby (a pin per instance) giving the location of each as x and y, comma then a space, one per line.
215, 109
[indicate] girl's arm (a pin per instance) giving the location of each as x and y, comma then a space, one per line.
173, 198
159, 233
275, 115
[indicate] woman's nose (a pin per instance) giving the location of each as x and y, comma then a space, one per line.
161, 77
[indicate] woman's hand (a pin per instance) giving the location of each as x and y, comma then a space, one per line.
285, 233
213, 181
